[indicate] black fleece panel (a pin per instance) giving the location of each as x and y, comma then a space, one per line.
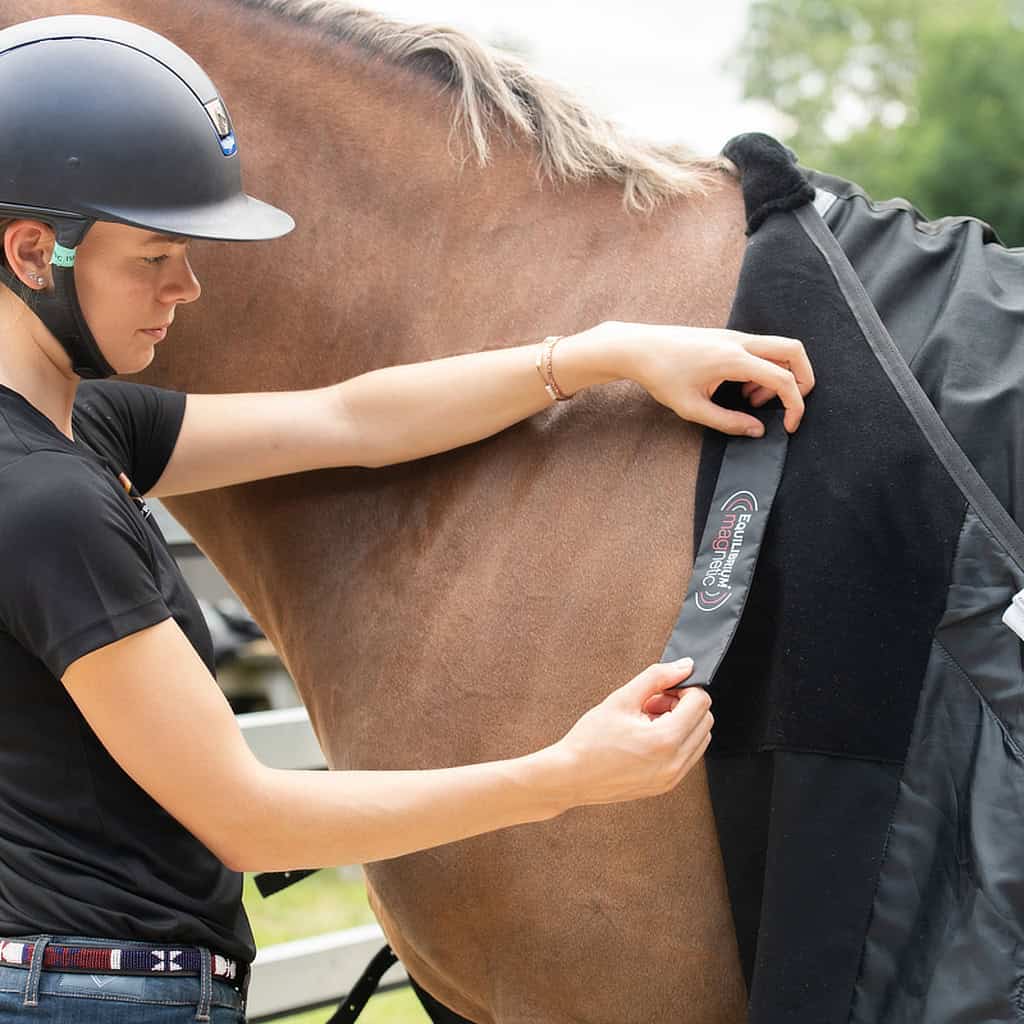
851, 581
741, 794
803, 836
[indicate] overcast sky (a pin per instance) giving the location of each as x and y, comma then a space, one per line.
654, 66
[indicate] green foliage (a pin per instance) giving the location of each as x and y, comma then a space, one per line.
917, 98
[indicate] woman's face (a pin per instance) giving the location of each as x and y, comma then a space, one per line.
129, 282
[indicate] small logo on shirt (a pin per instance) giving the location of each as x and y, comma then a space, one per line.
134, 494
715, 588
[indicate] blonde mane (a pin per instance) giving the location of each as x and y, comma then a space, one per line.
496, 92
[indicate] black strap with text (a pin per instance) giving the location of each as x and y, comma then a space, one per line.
724, 569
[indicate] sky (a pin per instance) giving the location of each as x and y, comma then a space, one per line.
653, 66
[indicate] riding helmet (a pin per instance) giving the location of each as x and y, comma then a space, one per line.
105, 120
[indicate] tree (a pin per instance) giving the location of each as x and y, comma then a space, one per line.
905, 97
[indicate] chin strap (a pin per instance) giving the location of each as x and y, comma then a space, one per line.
58, 307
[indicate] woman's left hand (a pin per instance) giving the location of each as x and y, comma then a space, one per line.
682, 367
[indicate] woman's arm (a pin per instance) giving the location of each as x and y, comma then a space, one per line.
406, 412
160, 714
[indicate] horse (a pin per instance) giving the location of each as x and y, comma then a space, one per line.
469, 606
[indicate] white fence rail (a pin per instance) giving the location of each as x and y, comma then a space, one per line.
318, 971
282, 738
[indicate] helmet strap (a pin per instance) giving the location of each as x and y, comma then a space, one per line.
59, 309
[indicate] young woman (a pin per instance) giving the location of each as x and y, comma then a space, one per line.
129, 802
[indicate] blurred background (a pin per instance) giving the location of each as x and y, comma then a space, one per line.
916, 98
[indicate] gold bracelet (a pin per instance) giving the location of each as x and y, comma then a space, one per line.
546, 369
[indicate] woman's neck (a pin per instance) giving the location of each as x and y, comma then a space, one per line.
33, 363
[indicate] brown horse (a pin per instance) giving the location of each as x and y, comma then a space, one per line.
469, 606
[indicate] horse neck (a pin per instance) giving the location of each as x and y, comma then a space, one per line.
403, 251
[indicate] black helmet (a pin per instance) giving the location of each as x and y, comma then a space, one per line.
104, 120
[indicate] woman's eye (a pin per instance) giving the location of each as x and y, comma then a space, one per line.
153, 260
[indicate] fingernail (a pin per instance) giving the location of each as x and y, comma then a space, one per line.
753, 431
683, 663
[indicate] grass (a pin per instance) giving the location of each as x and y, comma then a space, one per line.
325, 902
390, 1008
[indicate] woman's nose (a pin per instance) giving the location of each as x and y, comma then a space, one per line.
192, 289
184, 286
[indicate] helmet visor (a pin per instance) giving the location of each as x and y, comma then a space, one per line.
241, 218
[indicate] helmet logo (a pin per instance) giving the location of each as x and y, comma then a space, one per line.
219, 117
222, 123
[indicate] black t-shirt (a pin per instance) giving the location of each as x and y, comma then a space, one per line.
83, 849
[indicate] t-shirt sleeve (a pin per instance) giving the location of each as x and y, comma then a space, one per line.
75, 565
138, 423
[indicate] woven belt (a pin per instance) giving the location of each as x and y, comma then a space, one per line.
118, 960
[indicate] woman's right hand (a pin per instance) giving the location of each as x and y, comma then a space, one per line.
639, 741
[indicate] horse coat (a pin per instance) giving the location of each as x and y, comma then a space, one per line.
867, 769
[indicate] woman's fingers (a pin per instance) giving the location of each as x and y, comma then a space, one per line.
690, 723
796, 377
781, 383
728, 421
701, 740
654, 680
755, 393
659, 704
759, 395
787, 352
688, 715
695, 740
766, 367
640, 740
682, 367
685, 731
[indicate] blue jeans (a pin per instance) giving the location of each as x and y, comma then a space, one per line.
66, 997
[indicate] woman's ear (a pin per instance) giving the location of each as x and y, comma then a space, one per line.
28, 246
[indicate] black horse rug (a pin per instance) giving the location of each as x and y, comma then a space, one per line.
867, 770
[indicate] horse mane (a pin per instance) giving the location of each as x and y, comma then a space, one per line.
495, 92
